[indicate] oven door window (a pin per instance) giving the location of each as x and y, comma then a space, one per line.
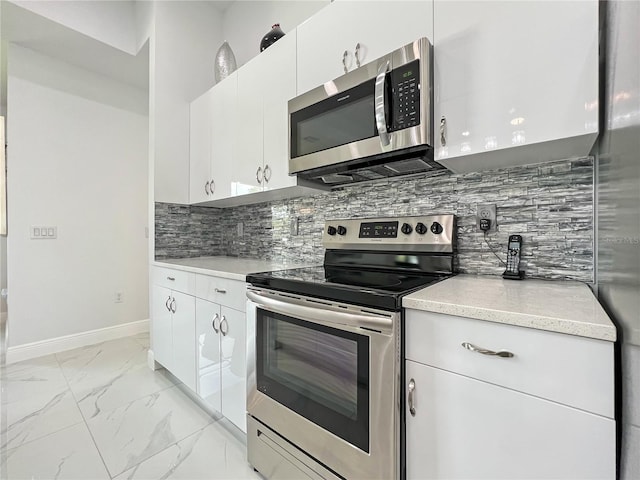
319, 372
338, 120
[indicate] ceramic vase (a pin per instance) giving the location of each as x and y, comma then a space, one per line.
271, 37
225, 62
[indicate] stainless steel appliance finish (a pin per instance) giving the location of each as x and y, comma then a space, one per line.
429, 233
324, 449
324, 352
373, 122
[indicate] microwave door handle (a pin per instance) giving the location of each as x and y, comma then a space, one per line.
380, 104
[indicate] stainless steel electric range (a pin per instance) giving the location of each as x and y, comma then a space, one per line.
325, 348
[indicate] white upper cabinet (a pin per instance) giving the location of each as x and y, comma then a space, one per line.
514, 74
200, 118
379, 27
224, 125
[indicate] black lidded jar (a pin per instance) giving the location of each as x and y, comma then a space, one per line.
271, 37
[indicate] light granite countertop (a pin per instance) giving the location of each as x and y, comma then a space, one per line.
553, 305
233, 268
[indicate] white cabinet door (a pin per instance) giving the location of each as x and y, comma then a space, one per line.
379, 26
223, 128
234, 366
280, 86
161, 327
208, 353
503, 81
200, 115
184, 345
248, 170
464, 428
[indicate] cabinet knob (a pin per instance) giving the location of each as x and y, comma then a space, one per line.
484, 351
412, 387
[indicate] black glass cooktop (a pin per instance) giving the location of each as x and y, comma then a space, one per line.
371, 288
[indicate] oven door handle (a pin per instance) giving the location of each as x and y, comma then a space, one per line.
318, 313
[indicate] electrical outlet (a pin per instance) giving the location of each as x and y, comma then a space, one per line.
118, 297
488, 212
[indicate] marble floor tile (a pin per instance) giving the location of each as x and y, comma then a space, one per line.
66, 454
32, 381
142, 338
209, 454
30, 419
33, 364
132, 433
119, 389
91, 365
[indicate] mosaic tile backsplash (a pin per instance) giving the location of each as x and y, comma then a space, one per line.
550, 205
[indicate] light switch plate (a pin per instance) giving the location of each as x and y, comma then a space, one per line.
40, 232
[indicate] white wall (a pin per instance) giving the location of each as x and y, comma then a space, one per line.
246, 22
183, 45
111, 22
77, 159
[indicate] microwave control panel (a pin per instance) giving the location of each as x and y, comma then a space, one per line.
405, 92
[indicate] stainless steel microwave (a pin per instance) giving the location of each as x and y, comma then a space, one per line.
373, 122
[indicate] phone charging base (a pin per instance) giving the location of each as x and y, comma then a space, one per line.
512, 275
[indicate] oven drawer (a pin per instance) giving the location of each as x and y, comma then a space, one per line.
224, 291
177, 280
575, 371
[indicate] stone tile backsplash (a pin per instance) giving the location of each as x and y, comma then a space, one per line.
550, 205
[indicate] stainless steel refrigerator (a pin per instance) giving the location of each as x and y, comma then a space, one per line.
618, 214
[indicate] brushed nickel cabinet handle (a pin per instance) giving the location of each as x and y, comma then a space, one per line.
206, 189
443, 131
213, 324
212, 186
344, 61
173, 305
484, 351
412, 387
259, 175
357, 54
226, 330
166, 304
220, 290
267, 173
173, 279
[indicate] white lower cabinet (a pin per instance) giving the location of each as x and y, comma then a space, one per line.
544, 413
173, 331
221, 362
468, 429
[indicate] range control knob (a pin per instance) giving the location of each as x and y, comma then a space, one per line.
331, 230
406, 228
341, 230
436, 228
421, 228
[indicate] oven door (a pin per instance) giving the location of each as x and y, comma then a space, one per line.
326, 378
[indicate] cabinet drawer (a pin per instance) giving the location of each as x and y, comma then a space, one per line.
575, 371
177, 280
230, 293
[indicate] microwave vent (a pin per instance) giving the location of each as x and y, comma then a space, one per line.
408, 166
333, 178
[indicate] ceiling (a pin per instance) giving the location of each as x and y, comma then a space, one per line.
33, 31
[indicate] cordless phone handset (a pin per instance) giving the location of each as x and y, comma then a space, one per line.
513, 258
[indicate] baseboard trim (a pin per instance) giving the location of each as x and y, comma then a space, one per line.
68, 342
